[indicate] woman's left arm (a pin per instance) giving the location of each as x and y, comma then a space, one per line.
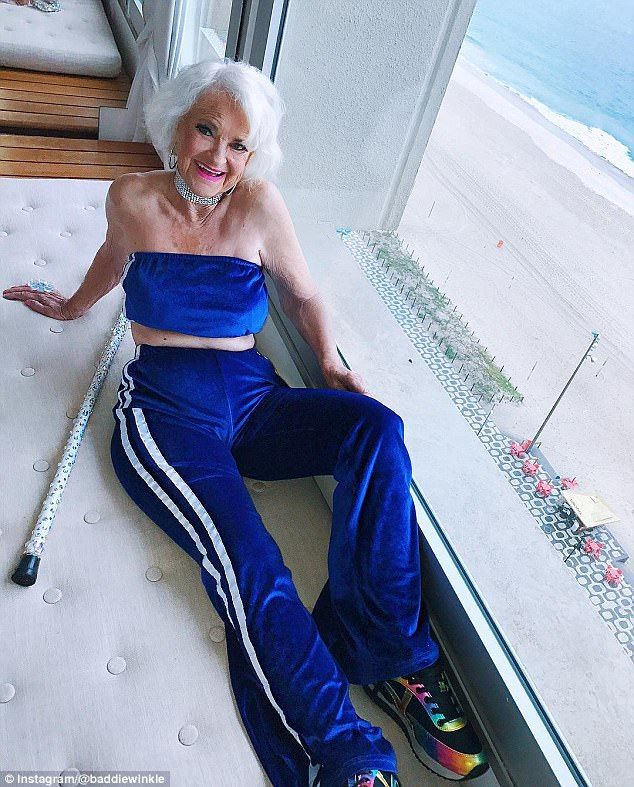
283, 259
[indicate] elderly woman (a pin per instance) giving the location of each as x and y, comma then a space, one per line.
198, 407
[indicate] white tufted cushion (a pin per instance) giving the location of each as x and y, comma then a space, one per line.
75, 40
115, 658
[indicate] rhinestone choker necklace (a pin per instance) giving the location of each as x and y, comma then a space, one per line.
187, 193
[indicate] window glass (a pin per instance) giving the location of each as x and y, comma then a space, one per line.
214, 28
522, 216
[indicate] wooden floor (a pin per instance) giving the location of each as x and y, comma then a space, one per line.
42, 101
53, 157
49, 126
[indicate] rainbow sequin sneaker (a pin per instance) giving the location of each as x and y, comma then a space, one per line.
373, 778
425, 707
370, 777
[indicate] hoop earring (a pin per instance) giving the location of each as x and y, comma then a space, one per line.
231, 190
169, 162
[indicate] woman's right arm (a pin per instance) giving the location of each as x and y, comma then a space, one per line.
103, 275
107, 267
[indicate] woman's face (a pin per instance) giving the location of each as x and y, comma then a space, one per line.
212, 134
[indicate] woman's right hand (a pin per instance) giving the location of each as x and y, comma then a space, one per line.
52, 304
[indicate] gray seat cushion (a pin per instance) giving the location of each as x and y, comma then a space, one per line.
75, 40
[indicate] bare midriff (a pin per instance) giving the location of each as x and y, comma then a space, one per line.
142, 334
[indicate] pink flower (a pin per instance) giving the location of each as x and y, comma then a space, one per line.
544, 488
530, 466
519, 449
516, 449
613, 575
569, 483
592, 547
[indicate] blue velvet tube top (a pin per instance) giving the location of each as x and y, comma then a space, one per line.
197, 294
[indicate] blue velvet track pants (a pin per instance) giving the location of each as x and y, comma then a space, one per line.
189, 423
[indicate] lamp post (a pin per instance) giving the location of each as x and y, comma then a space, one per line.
592, 343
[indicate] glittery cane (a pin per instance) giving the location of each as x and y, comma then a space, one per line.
26, 572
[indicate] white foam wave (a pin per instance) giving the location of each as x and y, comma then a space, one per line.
595, 139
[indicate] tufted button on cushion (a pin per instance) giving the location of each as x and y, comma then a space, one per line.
217, 633
153, 574
70, 772
52, 595
188, 734
116, 665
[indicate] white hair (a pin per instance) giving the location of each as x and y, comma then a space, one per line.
256, 94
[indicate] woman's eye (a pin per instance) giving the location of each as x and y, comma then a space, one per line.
237, 145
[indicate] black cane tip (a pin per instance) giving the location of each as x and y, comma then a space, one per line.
26, 572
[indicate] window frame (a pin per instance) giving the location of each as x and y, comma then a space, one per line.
133, 12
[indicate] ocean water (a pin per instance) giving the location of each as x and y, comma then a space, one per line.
573, 60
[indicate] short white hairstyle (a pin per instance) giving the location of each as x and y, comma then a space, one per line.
256, 94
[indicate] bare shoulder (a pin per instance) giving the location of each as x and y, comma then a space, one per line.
269, 213
130, 191
281, 252
125, 202
267, 200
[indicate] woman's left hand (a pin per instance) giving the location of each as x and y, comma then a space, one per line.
338, 376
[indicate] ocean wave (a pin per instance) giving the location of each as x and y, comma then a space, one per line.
594, 139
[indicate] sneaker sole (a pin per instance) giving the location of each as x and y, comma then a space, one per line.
421, 755
317, 781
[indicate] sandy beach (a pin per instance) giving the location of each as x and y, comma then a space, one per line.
496, 170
